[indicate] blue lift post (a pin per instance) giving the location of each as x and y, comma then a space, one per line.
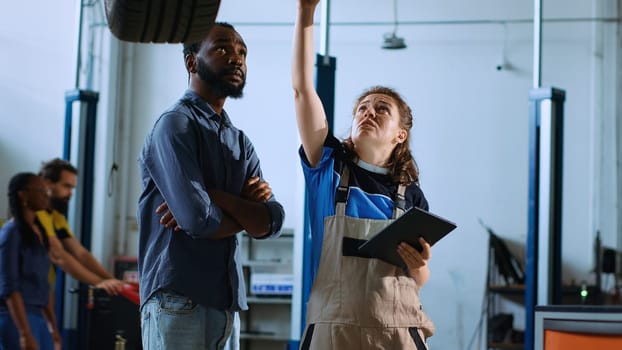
325, 87
85, 125
544, 223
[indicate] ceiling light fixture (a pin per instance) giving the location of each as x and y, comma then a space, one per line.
391, 40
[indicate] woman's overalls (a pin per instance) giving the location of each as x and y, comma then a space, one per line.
358, 303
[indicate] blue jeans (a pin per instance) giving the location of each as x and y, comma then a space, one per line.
173, 321
9, 336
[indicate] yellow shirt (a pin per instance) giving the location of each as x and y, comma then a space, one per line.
54, 224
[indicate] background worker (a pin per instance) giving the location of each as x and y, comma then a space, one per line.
27, 319
60, 177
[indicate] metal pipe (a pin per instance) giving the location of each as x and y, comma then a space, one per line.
537, 42
442, 22
125, 67
325, 32
597, 101
394, 17
79, 45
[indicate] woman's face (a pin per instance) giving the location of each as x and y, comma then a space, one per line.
36, 195
377, 120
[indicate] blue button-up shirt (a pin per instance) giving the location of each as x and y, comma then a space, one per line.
189, 150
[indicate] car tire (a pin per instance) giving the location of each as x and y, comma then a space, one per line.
161, 21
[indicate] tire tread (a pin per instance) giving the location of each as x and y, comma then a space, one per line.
161, 21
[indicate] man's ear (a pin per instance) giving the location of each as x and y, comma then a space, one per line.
191, 63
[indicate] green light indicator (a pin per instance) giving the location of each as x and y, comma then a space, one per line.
584, 293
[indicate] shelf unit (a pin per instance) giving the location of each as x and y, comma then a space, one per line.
266, 323
507, 300
505, 294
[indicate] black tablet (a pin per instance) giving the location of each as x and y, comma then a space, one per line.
407, 228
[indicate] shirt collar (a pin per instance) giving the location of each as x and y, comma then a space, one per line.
373, 168
206, 108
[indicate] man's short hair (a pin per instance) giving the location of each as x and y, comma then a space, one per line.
51, 169
192, 48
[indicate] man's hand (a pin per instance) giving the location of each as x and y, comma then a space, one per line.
168, 220
256, 190
112, 286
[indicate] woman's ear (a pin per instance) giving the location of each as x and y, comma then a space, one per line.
401, 136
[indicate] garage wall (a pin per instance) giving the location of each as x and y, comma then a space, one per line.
469, 138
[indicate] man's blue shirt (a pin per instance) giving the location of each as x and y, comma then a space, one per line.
192, 149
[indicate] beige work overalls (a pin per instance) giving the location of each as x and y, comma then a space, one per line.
359, 303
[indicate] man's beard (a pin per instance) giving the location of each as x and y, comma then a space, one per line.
61, 205
216, 83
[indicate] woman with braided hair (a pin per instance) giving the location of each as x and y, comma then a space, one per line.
27, 320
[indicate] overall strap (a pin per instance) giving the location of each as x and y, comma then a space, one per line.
343, 191
399, 202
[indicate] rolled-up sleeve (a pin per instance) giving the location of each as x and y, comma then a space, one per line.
277, 214
172, 163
